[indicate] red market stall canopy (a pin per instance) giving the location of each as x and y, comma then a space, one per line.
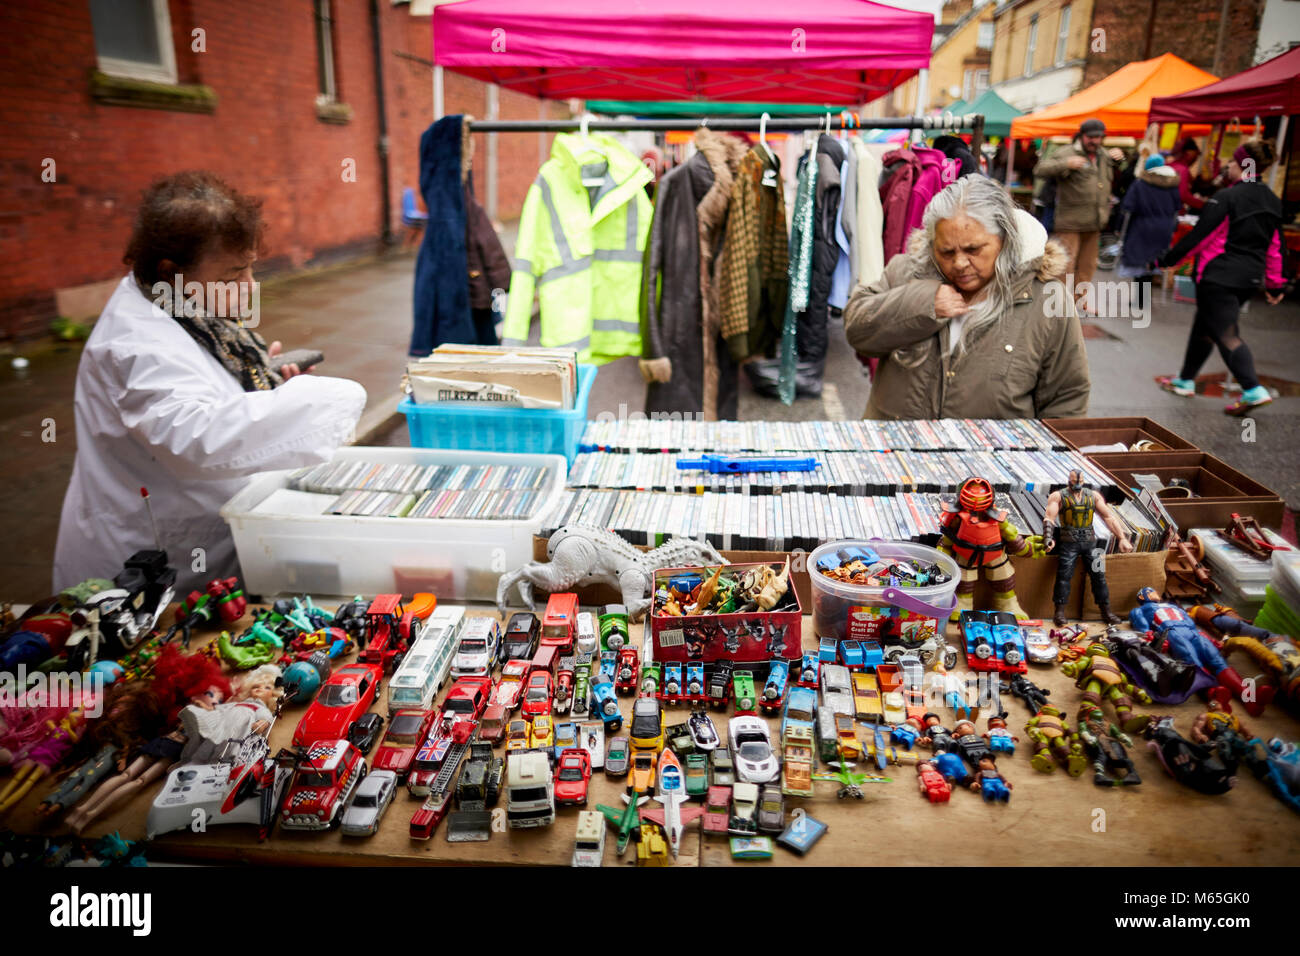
1121, 101
834, 51
1270, 89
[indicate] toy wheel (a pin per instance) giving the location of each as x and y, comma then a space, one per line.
893, 655
842, 793
1197, 546
950, 659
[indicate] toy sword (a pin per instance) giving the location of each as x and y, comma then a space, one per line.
724, 465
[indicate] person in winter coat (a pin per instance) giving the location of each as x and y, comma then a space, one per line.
1083, 172
971, 322
685, 361
1237, 242
489, 269
1188, 153
1151, 205
183, 397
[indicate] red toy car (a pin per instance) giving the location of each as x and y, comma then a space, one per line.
572, 774
492, 727
560, 622
428, 759
510, 687
467, 698
389, 631
406, 731
537, 695
349, 693
717, 811
627, 671
321, 785
426, 819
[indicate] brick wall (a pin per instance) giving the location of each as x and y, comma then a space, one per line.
1188, 28
264, 137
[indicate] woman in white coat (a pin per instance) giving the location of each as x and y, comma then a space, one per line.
182, 400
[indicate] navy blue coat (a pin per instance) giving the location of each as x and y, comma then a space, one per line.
441, 308
1152, 211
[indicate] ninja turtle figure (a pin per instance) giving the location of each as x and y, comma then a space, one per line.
1053, 742
978, 537
1101, 678
1105, 744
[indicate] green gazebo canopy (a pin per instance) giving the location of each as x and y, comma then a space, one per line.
998, 113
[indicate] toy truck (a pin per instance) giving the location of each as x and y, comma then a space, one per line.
530, 790
471, 789
797, 763
389, 630
560, 623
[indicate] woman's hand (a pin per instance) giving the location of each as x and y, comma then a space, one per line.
948, 302
286, 371
1274, 299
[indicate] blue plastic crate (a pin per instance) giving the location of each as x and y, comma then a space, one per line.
520, 430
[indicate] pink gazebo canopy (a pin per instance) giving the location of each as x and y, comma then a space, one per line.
833, 51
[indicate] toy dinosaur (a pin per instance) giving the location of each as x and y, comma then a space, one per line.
580, 556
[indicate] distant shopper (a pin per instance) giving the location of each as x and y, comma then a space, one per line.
1182, 163
1151, 205
964, 323
183, 397
1237, 242
1083, 172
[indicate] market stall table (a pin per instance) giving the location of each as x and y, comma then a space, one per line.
1051, 819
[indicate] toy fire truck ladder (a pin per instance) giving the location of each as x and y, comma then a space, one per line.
450, 764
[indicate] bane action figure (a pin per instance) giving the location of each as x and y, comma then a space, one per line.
1074, 507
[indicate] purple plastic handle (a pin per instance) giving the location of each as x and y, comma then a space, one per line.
899, 598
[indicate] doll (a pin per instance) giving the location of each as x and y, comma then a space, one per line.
43, 755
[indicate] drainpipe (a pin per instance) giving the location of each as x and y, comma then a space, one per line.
387, 201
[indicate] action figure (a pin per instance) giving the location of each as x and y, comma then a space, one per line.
931, 783
1193, 765
990, 784
41, 758
1001, 740
1053, 742
1101, 679
1220, 728
1166, 679
1178, 634
1033, 696
1276, 653
1075, 506
1283, 776
968, 742
937, 736
1105, 743
952, 768
907, 733
978, 537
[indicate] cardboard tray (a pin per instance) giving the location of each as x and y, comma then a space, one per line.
1081, 432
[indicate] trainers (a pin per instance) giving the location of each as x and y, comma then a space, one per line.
1179, 386
1251, 398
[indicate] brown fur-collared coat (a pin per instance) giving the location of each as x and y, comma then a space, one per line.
684, 359
1029, 363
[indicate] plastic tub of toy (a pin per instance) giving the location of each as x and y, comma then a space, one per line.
909, 614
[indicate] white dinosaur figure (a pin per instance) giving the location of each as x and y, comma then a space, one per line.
580, 556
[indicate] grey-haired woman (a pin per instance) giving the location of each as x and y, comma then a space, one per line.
972, 321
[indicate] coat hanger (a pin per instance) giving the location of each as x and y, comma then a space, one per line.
584, 135
762, 136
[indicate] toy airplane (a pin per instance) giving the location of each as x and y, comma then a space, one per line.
850, 782
723, 465
674, 818
625, 820
885, 754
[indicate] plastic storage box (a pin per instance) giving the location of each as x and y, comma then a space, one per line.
286, 545
843, 610
529, 431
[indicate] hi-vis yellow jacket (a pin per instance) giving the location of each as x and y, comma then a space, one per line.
580, 248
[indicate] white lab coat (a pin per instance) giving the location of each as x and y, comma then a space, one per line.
156, 409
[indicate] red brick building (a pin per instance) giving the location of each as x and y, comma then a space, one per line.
281, 99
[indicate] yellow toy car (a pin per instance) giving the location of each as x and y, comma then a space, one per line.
541, 733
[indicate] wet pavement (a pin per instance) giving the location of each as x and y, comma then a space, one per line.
359, 316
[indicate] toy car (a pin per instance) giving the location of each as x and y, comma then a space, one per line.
537, 695
696, 770
1039, 646
720, 684
564, 679
541, 735
678, 737
521, 637
616, 757
703, 733
572, 775
472, 787
771, 809
647, 732
774, 688
591, 738
744, 810
445, 746
560, 622
492, 726
467, 699
406, 731
509, 688
322, 783
369, 802
426, 819
589, 841
365, 731
588, 641
517, 735
800, 709
626, 671
866, 697
847, 735
809, 669
851, 655
479, 648
641, 778
742, 689
606, 705
349, 693
724, 769
717, 811
751, 750
872, 654
797, 765
837, 688
566, 737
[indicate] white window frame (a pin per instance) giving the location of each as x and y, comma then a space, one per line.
1063, 35
323, 13
164, 72
985, 28
981, 81
1031, 45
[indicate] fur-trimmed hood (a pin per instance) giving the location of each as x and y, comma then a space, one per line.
723, 154
1165, 177
1046, 259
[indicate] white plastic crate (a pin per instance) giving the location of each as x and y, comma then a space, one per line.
281, 551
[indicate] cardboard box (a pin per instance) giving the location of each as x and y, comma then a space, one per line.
1082, 432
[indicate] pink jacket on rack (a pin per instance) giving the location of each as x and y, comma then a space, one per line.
906, 193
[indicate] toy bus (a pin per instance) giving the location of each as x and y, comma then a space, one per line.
427, 662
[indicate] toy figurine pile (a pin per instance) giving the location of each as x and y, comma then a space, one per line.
864, 567
726, 592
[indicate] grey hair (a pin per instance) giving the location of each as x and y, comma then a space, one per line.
987, 203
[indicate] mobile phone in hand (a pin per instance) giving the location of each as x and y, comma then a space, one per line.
303, 358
